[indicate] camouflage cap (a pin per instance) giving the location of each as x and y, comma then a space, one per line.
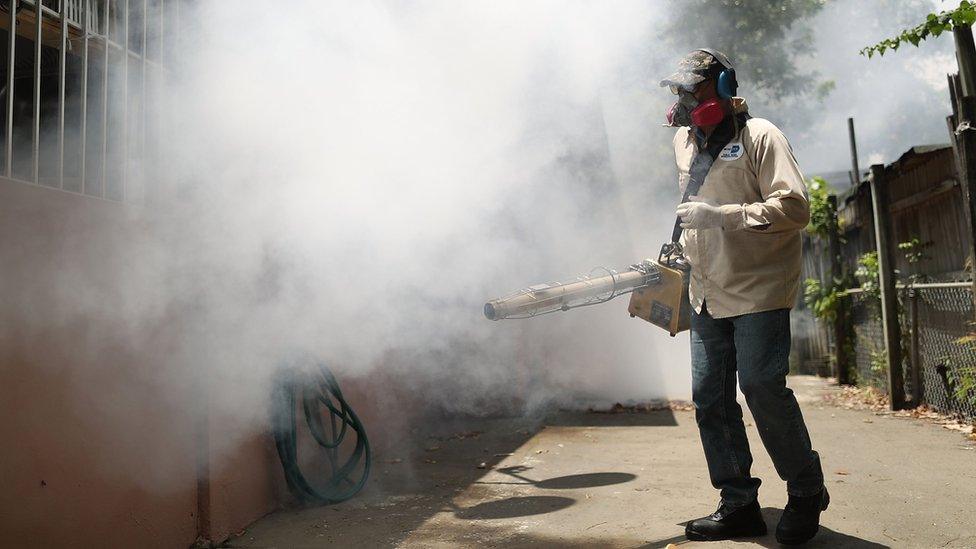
692, 69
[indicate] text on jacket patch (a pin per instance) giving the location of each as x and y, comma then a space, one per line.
731, 151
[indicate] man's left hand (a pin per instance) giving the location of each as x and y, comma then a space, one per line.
699, 213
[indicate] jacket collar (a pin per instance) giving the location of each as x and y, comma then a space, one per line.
739, 105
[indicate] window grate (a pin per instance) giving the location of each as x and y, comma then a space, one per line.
80, 85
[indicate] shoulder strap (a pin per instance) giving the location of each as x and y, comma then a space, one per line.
695, 181
702, 163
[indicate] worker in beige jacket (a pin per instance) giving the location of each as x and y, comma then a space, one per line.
744, 206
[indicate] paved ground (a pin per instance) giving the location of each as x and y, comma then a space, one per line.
632, 480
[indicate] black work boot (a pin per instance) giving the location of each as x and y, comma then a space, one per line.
801, 518
728, 523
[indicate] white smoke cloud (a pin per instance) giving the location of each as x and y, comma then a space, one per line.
358, 179
363, 177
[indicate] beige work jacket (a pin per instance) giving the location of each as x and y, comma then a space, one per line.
752, 263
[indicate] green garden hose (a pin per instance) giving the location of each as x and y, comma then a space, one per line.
316, 386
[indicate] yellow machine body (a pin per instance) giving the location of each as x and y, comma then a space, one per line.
664, 304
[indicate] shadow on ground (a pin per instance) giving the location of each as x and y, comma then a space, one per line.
566, 482
826, 538
657, 418
515, 507
419, 479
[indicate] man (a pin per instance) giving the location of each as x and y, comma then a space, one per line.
745, 206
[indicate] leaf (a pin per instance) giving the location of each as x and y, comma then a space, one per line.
933, 25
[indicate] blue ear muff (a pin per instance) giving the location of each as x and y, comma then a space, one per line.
725, 85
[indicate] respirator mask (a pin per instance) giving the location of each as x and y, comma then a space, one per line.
695, 68
688, 111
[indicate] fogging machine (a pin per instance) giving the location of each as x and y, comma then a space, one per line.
658, 292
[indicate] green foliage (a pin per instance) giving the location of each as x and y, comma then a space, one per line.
964, 381
868, 274
963, 375
868, 268
914, 254
879, 362
934, 25
824, 301
913, 250
763, 37
821, 214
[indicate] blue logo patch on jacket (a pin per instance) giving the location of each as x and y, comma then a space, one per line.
731, 151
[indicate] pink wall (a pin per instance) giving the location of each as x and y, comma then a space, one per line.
96, 450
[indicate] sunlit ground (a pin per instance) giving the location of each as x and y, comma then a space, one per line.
631, 480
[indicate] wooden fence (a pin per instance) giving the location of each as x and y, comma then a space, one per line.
926, 204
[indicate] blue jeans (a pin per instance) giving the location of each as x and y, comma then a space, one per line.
757, 346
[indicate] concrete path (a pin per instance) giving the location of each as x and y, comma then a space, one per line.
632, 480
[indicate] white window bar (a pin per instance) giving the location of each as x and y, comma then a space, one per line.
124, 138
99, 18
104, 177
62, 70
84, 95
11, 62
142, 102
36, 134
75, 12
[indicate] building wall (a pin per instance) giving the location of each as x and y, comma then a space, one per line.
103, 442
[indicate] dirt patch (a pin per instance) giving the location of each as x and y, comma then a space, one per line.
871, 399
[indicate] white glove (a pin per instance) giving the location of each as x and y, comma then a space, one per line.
700, 213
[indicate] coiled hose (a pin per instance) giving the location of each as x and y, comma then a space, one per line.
319, 392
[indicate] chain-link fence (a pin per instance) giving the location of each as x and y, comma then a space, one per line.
946, 357
938, 358
867, 359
